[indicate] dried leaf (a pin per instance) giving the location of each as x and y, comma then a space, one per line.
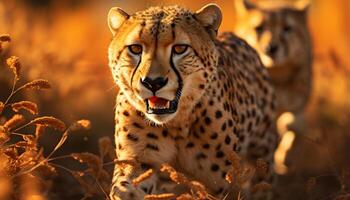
39, 130
25, 105
50, 122
15, 66
80, 124
31, 141
4, 137
175, 176
2, 106
239, 173
46, 170
38, 84
105, 146
61, 142
199, 189
14, 122
123, 163
11, 152
147, 174
185, 196
160, 196
93, 161
21, 144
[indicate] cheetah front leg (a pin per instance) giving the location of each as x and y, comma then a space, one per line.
123, 186
139, 142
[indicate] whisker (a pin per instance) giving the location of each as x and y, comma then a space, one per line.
111, 88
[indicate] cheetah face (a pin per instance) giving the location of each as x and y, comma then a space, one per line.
279, 34
159, 59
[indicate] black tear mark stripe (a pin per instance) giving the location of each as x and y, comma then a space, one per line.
143, 24
177, 73
173, 31
133, 73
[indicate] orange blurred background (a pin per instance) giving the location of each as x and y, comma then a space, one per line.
58, 36
65, 41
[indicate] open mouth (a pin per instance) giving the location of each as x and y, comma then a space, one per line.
157, 105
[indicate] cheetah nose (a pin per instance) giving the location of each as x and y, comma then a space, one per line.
271, 50
154, 84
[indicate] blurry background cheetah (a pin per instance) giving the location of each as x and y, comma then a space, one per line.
279, 32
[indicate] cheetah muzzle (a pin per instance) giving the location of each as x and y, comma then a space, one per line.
160, 106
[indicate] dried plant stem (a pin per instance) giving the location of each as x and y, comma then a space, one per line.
18, 134
59, 144
33, 122
12, 91
101, 188
59, 157
72, 172
15, 91
63, 167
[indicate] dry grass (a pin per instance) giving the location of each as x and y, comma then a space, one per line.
25, 172
239, 176
317, 163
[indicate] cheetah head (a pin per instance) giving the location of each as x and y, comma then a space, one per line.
277, 30
163, 58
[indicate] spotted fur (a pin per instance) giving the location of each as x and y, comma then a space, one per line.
226, 102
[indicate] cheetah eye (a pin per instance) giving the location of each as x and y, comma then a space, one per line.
180, 49
259, 29
287, 28
135, 49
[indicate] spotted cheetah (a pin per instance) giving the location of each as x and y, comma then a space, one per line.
280, 34
186, 97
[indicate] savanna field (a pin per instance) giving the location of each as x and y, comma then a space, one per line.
57, 101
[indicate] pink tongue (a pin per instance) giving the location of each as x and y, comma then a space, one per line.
160, 102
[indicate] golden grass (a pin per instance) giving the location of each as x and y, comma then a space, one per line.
328, 114
25, 172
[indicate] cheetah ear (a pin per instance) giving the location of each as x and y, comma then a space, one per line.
301, 8
116, 17
248, 4
303, 5
242, 7
210, 17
